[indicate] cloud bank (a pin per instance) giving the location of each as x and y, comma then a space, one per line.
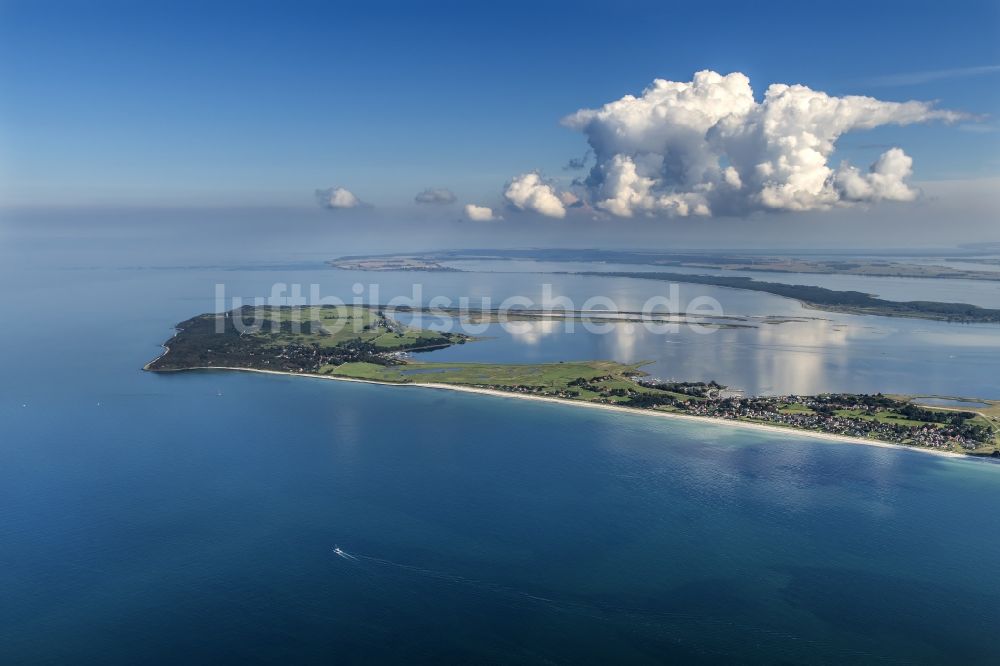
435, 195
337, 197
707, 147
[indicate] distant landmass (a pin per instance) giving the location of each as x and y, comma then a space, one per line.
851, 302
744, 261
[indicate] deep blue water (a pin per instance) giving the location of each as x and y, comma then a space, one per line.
146, 518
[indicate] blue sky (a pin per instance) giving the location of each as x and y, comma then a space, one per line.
250, 103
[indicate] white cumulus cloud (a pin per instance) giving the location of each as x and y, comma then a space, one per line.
708, 147
337, 197
480, 213
885, 179
529, 192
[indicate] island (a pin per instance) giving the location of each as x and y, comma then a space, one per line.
364, 343
740, 261
394, 263
817, 298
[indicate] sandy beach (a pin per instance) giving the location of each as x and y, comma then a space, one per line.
593, 405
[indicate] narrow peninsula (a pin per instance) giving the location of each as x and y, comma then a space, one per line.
364, 343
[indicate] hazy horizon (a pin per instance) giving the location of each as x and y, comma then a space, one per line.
445, 126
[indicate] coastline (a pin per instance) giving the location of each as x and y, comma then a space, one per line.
844, 439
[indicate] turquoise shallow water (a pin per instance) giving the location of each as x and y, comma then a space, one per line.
147, 518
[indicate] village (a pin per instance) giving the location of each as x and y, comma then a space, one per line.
851, 415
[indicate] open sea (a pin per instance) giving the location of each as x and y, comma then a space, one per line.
193, 517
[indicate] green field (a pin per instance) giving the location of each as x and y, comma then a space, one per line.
794, 408
549, 377
884, 416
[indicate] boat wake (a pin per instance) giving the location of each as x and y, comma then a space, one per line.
666, 621
442, 576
